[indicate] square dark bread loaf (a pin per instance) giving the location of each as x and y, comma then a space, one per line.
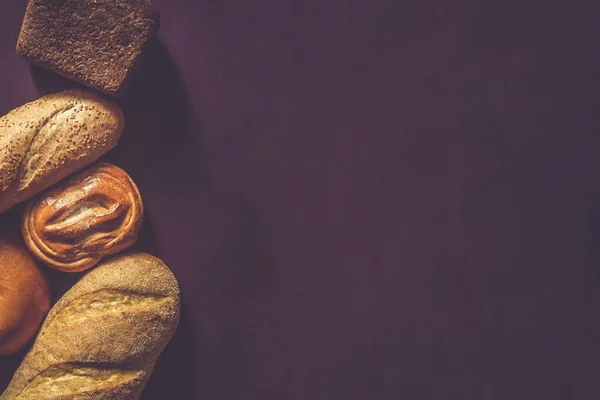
95, 42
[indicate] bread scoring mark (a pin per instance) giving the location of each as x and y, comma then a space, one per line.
101, 212
92, 215
24, 166
77, 378
103, 303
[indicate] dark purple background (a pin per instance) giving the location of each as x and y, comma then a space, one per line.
367, 199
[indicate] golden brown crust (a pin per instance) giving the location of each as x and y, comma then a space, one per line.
102, 339
92, 215
24, 297
46, 140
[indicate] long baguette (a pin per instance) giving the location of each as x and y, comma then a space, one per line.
102, 339
46, 140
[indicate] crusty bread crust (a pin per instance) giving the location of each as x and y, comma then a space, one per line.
102, 339
97, 43
46, 140
24, 297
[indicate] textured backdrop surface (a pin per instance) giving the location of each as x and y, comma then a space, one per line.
366, 199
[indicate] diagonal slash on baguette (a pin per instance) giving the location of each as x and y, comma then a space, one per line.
84, 376
87, 375
43, 135
103, 301
102, 339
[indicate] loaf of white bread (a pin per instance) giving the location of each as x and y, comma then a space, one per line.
102, 339
46, 140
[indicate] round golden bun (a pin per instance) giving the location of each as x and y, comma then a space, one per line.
24, 297
83, 219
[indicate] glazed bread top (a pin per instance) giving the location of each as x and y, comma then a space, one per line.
93, 214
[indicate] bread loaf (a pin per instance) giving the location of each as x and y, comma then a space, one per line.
24, 297
97, 43
44, 141
101, 340
84, 218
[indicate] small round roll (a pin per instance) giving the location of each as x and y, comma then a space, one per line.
80, 221
24, 297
